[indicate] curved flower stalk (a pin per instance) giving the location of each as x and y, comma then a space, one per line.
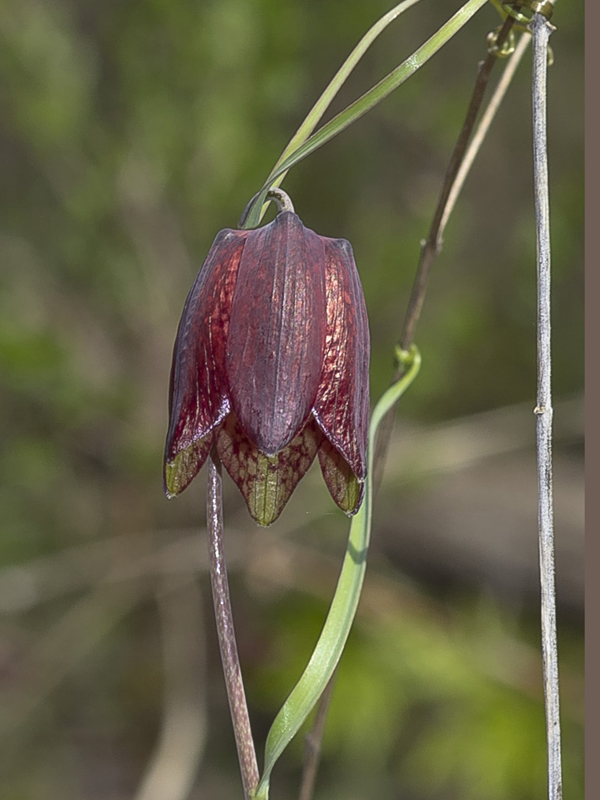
271, 367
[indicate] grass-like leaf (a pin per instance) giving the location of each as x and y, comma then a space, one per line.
339, 620
299, 149
320, 107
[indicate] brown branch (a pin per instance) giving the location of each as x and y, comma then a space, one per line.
312, 744
226, 631
433, 243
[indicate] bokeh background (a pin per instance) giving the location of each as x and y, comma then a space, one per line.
130, 133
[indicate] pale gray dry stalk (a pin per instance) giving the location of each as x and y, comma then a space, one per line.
541, 30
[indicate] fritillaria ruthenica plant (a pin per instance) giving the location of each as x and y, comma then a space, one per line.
271, 367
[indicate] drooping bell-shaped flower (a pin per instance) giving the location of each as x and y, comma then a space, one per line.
271, 367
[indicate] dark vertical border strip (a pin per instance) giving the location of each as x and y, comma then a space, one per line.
592, 399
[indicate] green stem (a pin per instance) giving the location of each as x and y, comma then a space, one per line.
342, 610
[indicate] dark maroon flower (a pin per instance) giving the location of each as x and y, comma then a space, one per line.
271, 366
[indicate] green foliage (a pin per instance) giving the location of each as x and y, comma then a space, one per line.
433, 697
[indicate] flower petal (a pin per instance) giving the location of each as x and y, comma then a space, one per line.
198, 398
184, 467
277, 331
342, 404
344, 486
266, 482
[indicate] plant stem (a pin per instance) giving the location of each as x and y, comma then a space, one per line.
225, 630
433, 244
312, 747
363, 104
460, 162
484, 125
320, 107
541, 33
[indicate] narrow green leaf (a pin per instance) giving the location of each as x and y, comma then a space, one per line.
364, 103
339, 620
320, 107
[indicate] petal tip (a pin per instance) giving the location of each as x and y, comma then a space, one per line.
181, 470
345, 486
266, 482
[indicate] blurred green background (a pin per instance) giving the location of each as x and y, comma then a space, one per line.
130, 133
